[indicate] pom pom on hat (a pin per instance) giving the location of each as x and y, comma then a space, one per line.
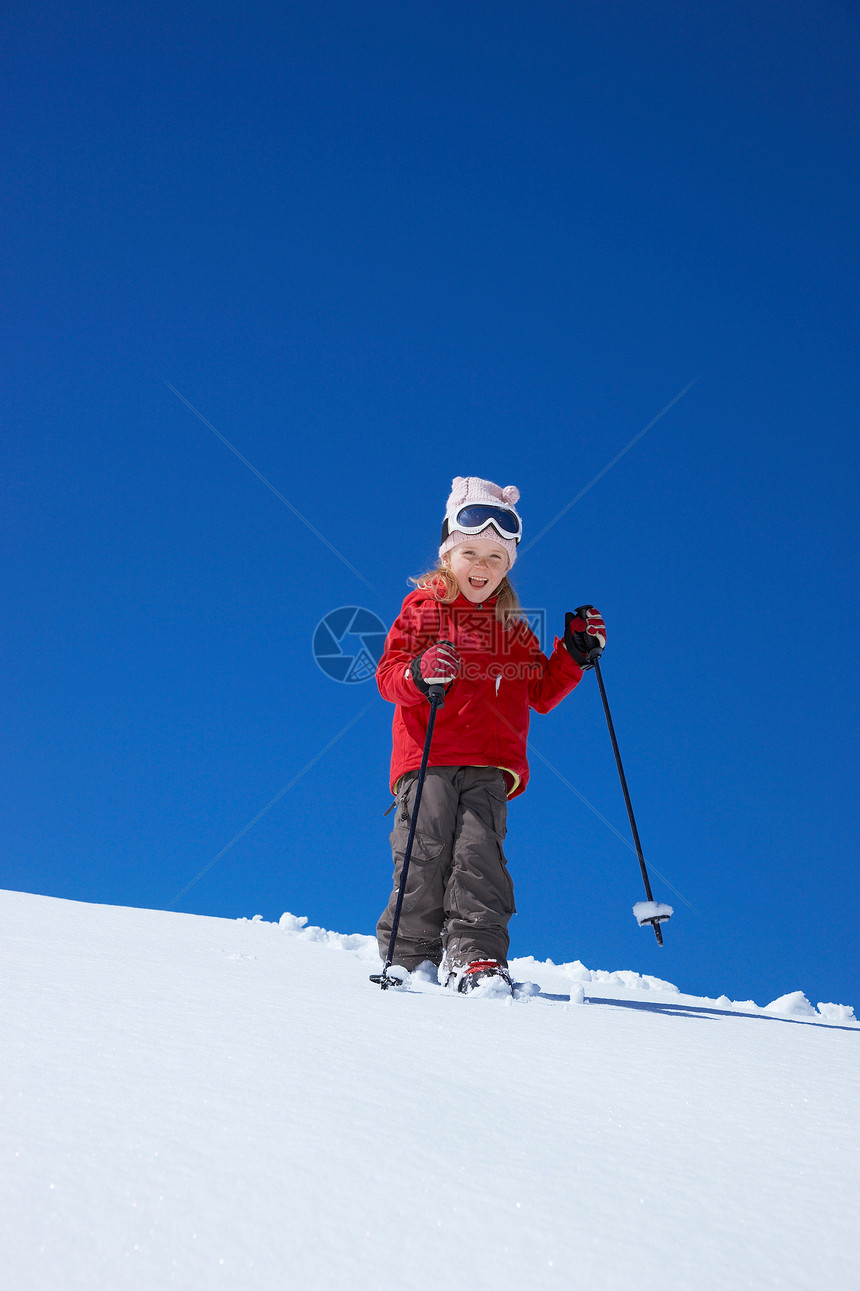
470, 489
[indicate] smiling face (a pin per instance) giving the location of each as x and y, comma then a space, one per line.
478, 565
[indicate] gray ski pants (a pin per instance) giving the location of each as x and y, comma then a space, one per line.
459, 896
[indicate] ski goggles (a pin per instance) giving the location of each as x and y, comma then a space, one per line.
475, 517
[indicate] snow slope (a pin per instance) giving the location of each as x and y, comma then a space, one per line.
198, 1103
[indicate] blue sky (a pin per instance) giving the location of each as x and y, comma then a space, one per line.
374, 246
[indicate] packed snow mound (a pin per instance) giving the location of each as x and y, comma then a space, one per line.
794, 1004
356, 943
836, 1012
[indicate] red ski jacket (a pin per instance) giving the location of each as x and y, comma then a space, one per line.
485, 718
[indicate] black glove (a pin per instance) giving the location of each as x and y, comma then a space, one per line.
438, 665
584, 632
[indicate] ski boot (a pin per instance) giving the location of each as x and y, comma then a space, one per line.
486, 975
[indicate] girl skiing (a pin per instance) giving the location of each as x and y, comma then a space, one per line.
462, 625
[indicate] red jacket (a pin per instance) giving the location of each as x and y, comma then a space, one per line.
485, 718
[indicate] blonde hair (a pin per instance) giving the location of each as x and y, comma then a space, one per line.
444, 586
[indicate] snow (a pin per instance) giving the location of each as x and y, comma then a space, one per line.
195, 1103
836, 1012
795, 1004
648, 911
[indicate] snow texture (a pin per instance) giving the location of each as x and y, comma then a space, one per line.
204, 1103
645, 911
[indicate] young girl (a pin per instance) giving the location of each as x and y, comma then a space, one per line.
463, 624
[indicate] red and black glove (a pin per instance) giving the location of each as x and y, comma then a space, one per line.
584, 632
438, 665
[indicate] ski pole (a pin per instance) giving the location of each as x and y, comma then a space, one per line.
659, 914
437, 699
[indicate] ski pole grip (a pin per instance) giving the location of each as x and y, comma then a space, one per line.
436, 686
596, 651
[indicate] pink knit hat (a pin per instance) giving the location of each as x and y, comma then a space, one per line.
469, 489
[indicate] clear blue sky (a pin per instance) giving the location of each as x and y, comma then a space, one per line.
377, 245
